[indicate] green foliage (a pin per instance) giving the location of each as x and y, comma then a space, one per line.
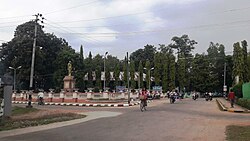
245, 61
132, 74
140, 70
143, 54
238, 61
243, 103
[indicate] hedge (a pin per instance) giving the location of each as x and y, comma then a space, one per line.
244, 102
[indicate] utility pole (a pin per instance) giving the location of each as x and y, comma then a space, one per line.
128, 79
104, 81
33, 58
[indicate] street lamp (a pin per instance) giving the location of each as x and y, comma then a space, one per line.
149, 71
104, 86
15, 75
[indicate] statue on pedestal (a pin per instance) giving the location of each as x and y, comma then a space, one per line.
69, 82
69, 68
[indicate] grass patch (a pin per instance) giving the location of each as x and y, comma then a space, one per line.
238, 133
20, 110
27, 117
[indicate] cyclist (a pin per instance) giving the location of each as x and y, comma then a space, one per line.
143, 96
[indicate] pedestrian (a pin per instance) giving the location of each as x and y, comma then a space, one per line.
231, 97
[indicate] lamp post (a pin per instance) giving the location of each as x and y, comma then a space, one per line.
224, 86
149, 71
15, 75
104, 80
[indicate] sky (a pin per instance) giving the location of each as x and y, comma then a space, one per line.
120, 26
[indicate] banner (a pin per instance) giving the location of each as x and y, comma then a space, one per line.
121, 76
102, 76
86, 76
112, 78
152, 79
136, 76
93, 76
144, 76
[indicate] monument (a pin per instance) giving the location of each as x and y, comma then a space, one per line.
69, 82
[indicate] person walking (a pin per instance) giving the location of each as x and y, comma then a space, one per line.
231, 97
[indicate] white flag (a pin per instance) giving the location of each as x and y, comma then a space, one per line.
112, 78
102, 76
152, 79
93, 76
86, 76
136, 76
144, 77
121, 76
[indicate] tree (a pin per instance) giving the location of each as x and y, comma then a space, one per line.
216, 56
132, 74
143, 54
81, 54
238, 62
184, 47
140, 70
158, 68
245, 61
18, 52
148, 71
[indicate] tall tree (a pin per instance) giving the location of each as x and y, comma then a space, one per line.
148, 72
245, 62
157, 68
140, 70
81, 53
132, 74
184, 47
238, 62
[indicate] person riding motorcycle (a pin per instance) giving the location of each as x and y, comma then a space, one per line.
143, 96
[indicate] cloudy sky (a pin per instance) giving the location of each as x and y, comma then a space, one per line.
120, 26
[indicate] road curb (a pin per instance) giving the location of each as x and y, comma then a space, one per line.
224, 108
221, 105
83, 104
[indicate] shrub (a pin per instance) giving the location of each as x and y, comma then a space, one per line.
243, 102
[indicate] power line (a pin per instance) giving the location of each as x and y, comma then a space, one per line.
60, 10
109, 34
88, 38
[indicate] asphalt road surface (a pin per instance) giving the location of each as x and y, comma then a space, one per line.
185, 120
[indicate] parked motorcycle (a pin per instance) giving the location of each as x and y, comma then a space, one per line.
195, 96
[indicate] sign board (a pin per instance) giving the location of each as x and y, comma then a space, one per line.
225, 88
157, 88
120, 88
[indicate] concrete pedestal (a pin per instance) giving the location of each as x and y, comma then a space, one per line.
69, 83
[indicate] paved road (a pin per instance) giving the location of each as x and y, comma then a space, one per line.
185, 120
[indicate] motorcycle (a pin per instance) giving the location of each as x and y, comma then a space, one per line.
208, 97
195, 96
172, 99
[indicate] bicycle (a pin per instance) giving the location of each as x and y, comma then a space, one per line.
143, 105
